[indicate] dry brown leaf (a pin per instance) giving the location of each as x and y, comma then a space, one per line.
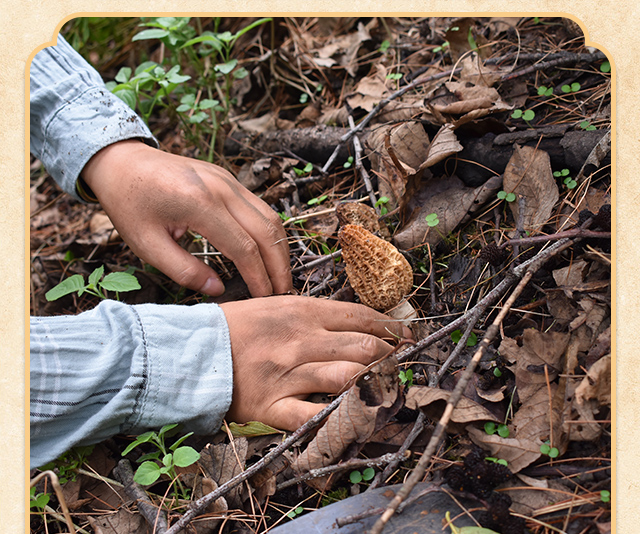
343, 50
122, 522
538, 349
321, 226
369, 90
369, 404
571, 276
518, 453
445, 143
592, 201
433, 401
597, 384
526, 501
528, 174
452, 202
222, 462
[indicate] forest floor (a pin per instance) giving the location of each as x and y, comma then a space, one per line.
480, 148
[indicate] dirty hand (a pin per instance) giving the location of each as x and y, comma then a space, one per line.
153, 198
286, 348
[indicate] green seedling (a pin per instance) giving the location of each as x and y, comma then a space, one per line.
491, 428
304, 171
562, 173
384, 46
406, 377
567, 180
97, 284
497, 372
471, 40
198, 110
172, 31
367, 474
456, 336
605, 496
295, 512
163, 461
348, 163
605, 67
317, 200
432, 219
394, 76
38, 501
68, 464
587, 126
573, 88
304, 98
545, 91
441, 47
497, 460
527, 115
381, 204
509, 197
548, 450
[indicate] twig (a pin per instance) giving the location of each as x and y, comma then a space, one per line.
360, 168
573, 233
58, 489
569, 59
207, 499
319, 261
353, 463
153, 515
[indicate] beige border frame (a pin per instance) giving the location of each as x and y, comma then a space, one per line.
25, 29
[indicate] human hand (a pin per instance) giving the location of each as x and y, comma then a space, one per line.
286, 348
153, 198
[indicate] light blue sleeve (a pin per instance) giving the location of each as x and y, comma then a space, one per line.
126, 369
73, 114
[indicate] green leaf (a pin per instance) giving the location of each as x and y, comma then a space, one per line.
208, 38
147, 473
183, 107
553, 453
167, 460
304, 98
166, 429
226, 68
70, 285
197, 118
565, 88
179, 441
95, 276
575, 87
123, 75
517, 113
510, 197
384, 46
528, 115
368, 474
497, 372
456, 335
128, 96
503, 431
490, 427
502, 195
355, 477
605, 67
39, 501
185, 456
208, 103
605, 495
251, 26
150, 34
252, 428
472, 340
120, 282
142, 438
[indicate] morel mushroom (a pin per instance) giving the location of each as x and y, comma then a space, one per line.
378, 273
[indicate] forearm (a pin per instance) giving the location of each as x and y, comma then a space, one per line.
73, 114
135, 368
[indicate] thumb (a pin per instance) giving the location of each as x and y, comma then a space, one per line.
170, 258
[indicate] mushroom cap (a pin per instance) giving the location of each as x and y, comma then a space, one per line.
378, 273
360, 214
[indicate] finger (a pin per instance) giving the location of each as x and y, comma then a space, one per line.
346, 346
161, 251
265, 227
291, 413
347, 316
228, 237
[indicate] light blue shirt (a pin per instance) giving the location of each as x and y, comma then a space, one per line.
116, 368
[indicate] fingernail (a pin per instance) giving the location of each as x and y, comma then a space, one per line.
213, 286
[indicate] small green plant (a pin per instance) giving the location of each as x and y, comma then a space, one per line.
304, 98
406, 377
38, 501
381, 203
567, 180
497, 460
68, 464
165, 459
317, 200
295, 512
97, 284
497, 372
573, 88
456, 336
394, 76
441, 47
367, 474
548, 450
348, 163
587, 126
304, 171
336, 495
491, 428
605, 496
384, 46
605, 67
198, 110
545, 91
527, 115
432, 219
503, 195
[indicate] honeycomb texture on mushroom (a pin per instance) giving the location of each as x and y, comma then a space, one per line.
378, 273
357, 213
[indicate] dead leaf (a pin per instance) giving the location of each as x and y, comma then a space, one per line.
452, 202
571, 276
528, 174
597, 384
122, 522
369, 90
371, 401
518, 453
433, 400
222, 462
344, 50
445, 143
252, 428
